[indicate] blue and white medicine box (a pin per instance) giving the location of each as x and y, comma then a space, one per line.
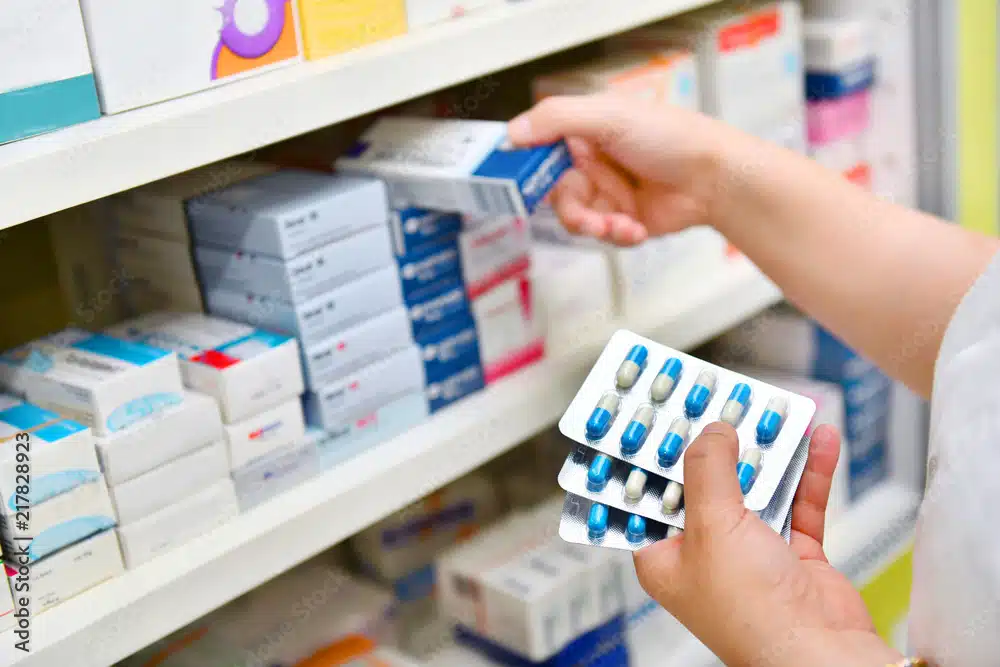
61, 454
414, 229
447, 304
103, 382
47, 81
467, 166
288, 212
455, 387
429, 271
449, 349
839, 57
246, 370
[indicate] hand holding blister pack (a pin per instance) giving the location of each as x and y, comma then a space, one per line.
639, 409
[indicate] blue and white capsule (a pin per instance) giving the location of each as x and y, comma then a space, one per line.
632, 367
635, 485
673, 497
748, 468
772, 420
665, 381
673, 443
635, 529
700, 394
635, 433
603, 416
597, 522
737, 405
599, 473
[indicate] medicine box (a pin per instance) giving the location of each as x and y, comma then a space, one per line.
103, 382
170, 483
159, 274
307, 276
430, 270
60, 453
173, 433
158, 209
451, 348
66, 574
349, 436
839, 57
263, 433
571, 283
450, 389
288, 212
456, 165
333, 27
47, 82
666, 76
366, 390
414, 229
137, 64
357, 347
422, 13
493, 251
59, 521
510, 334
428, 314
18, 364
275, 472
178, 524
318, 319
246, 370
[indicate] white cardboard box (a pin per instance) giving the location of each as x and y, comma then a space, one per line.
263, 433
510, 330
245, 369
493, 251
178, 430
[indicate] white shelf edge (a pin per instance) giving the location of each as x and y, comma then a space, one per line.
75, 165
123, 615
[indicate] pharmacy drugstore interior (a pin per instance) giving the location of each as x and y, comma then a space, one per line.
289, 331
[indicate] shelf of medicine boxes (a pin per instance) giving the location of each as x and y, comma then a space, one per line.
52, 172
123, 615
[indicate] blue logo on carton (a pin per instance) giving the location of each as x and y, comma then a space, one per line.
137, 354
45, 487
67, 533
140, 408
535, 170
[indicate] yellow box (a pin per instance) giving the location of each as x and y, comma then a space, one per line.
335, 26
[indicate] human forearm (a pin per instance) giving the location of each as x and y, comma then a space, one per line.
884, 279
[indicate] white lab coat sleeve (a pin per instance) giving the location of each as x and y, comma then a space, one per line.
955, 605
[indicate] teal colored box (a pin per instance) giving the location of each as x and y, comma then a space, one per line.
47, 107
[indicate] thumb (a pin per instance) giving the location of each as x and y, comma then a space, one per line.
599, 118
713, 500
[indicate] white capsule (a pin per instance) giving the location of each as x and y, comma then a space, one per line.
674, 531
672, 497
635, 485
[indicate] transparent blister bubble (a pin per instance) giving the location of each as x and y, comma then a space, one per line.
643, 388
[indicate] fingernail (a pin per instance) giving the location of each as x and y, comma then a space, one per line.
519, 129
718, 428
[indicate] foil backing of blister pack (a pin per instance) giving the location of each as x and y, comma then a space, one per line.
601, 380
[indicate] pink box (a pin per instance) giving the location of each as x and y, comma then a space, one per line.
833, 120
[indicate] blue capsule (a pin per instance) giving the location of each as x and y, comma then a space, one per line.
747, 469
700, 394
665, 381
635, 530
631, 367
603, 416
635, 433
772, 420
673, 443
597, 522
599, 473
737, 405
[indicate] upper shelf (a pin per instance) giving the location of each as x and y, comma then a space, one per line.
52, 172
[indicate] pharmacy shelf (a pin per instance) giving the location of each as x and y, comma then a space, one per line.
114, 153
123, 615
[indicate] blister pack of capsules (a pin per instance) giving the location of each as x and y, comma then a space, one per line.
635, 415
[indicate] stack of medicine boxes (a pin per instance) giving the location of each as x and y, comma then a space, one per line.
253, 380
308, 254
840, 75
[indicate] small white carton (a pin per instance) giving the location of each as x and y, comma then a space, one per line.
171, 482
307, 276
245, 369
288, 212
275, 472
178, 524
101, 381
493, 251
510, 331
176, 431
263, 433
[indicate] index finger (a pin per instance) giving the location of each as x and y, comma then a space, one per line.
595, 117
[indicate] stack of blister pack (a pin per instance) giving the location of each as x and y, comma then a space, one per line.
640, 407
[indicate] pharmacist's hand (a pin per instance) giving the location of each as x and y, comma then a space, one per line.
750, 597
640, 169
